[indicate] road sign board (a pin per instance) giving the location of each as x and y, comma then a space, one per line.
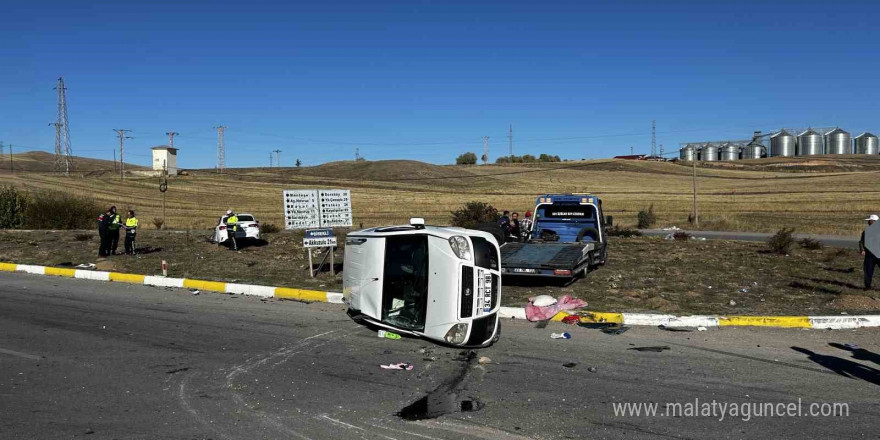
319, 242
314, 208
335, 207
301, 209
872, 239
319, 233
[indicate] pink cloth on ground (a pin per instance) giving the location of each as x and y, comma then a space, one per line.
565, 302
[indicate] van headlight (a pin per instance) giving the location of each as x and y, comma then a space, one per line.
457, 334
461, 247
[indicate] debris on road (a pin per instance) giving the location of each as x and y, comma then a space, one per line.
195, 292
701, 329
591, 369
656, 349
565, 335
569, 364
614, 329
542, 324
398, 366
673, 329
483, 360
535, 312
387, 335
543, 301
86, 266
571, 319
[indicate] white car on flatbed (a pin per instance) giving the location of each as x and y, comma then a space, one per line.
248, 229
441, 283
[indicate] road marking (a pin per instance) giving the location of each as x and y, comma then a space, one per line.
19, 354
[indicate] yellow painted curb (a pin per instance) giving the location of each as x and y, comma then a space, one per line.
765, 321
300, 294
214, 286
61, 272
126, 278
8, 267
599, 317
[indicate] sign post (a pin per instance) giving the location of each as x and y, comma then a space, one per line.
318, 211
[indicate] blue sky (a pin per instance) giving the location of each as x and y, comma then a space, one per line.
427, 80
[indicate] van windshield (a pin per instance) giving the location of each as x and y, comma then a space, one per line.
566, 212
405, 290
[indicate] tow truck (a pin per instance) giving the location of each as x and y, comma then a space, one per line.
566, 240
440, 283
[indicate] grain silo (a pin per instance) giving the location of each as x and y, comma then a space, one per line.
837, 141
753, 150
866, 143
782, 144
809, 143
688, 153
709, 153
730, 152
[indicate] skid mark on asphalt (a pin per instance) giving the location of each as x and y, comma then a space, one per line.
471, 429
350, 426
183, 398
20, 354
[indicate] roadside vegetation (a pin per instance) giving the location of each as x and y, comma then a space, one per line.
46, 209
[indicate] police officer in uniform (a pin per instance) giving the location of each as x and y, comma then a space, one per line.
113, 229
131, 225
231, 228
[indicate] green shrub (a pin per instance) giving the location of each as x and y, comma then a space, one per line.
647, 218
681, 236
781, 242
473, 214
13, 204
59, 210
268, 228
466, 159
619, 231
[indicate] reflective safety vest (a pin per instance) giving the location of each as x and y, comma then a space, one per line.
232, 222
115, 222
131, 223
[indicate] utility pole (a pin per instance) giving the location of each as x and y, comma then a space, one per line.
653, 138
357, 154
62, 132
171, 135
661, 149
630, 150
221, 149
696, 211
510, 140
122, 137
277, 157
485, 150
270, 159
115, 167
11, 170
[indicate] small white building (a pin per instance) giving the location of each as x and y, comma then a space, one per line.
165, 158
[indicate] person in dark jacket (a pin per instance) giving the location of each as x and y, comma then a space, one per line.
504, 223
870, 258
103, 223
113, 227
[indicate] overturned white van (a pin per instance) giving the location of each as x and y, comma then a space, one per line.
441, 283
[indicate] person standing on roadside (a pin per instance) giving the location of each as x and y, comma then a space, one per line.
131, 225
103, 221
231, 229
515, 230
526, 224
870, 258
504, 222
113, 228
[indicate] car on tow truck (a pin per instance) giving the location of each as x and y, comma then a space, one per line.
440, 283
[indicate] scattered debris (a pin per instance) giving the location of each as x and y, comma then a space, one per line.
540, 313
656, 349
86, 266
614, 329
732, 303
569, 364
673, 329
398, 366
195, 292
542, 324
591, 369
701, 329
484, 360
543, 301
744, 290
571, 319
387, 335
177, 370
565, 335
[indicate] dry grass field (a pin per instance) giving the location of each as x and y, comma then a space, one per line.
821, 194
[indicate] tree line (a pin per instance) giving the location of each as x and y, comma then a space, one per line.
470, 158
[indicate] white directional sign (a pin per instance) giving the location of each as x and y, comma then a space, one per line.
335, 207
872, 238
314, 208
301, 209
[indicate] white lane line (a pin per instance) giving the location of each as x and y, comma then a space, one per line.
20, 354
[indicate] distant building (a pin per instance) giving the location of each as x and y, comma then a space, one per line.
165, 158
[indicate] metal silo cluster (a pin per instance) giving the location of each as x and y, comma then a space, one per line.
783, 143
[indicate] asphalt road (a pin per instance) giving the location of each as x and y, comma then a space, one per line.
104, 360
828, 240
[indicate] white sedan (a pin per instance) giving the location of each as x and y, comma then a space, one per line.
248, 228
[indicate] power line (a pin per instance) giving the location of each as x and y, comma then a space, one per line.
62, 132
270, 159
485, 150
122, 137
277, 157
653, 138
221, 149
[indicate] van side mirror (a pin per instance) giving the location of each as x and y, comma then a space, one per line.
609, 220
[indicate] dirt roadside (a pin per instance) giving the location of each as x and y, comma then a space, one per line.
643, 274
